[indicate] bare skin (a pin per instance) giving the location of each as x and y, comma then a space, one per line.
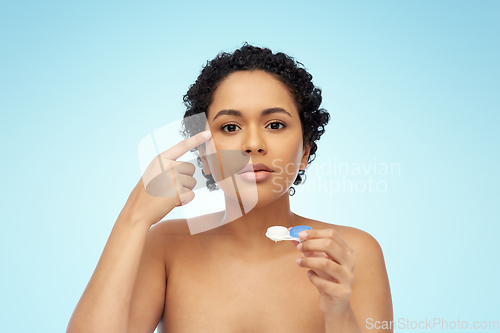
213, 288
233, 278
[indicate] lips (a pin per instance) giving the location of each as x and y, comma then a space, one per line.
255, 167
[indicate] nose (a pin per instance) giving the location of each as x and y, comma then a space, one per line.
253, 142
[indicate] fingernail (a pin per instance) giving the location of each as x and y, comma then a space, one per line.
298, 261
303, 234
299, 247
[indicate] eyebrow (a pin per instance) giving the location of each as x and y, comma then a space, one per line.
238, 113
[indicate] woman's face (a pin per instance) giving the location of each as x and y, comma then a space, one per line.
239, 122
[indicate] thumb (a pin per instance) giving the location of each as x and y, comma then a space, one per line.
295, 243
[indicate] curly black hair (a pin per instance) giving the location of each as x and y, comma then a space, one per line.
284, 68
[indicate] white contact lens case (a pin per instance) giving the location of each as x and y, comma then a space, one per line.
279, 233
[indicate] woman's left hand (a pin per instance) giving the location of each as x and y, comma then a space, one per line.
331, 263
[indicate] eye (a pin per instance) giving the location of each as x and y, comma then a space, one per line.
276, 125
230, 126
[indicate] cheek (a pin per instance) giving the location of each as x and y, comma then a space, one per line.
291, 150
224, 162
287, 165
221, 141
210, 147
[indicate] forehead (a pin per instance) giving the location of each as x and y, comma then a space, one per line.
252, 91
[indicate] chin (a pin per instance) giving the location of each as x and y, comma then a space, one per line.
266, 196
256, 195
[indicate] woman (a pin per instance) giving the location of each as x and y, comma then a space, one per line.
233, 278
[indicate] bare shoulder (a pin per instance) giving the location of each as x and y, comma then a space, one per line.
174, 236
167, 235
174, 227
361, 241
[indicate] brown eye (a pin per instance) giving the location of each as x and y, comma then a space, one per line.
230, 127
275, 125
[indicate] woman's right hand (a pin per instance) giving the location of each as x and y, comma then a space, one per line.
165, 184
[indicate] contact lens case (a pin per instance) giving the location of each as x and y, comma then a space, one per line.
279, 233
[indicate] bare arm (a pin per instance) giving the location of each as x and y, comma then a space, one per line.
371, 299
109, 303
104, 305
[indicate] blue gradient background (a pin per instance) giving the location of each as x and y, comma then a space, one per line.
414, 83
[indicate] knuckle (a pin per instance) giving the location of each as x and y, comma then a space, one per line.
349, 275
329, 242
187, 167
346, 293
331, 233
176, 166
188, 198
323, 265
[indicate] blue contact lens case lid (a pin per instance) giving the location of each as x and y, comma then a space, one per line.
294, 232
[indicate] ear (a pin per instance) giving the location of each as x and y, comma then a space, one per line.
202, 151
305, 157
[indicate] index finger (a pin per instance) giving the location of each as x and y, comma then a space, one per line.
186, 145
327, 233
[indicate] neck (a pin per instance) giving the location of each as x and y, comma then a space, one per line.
248, 231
